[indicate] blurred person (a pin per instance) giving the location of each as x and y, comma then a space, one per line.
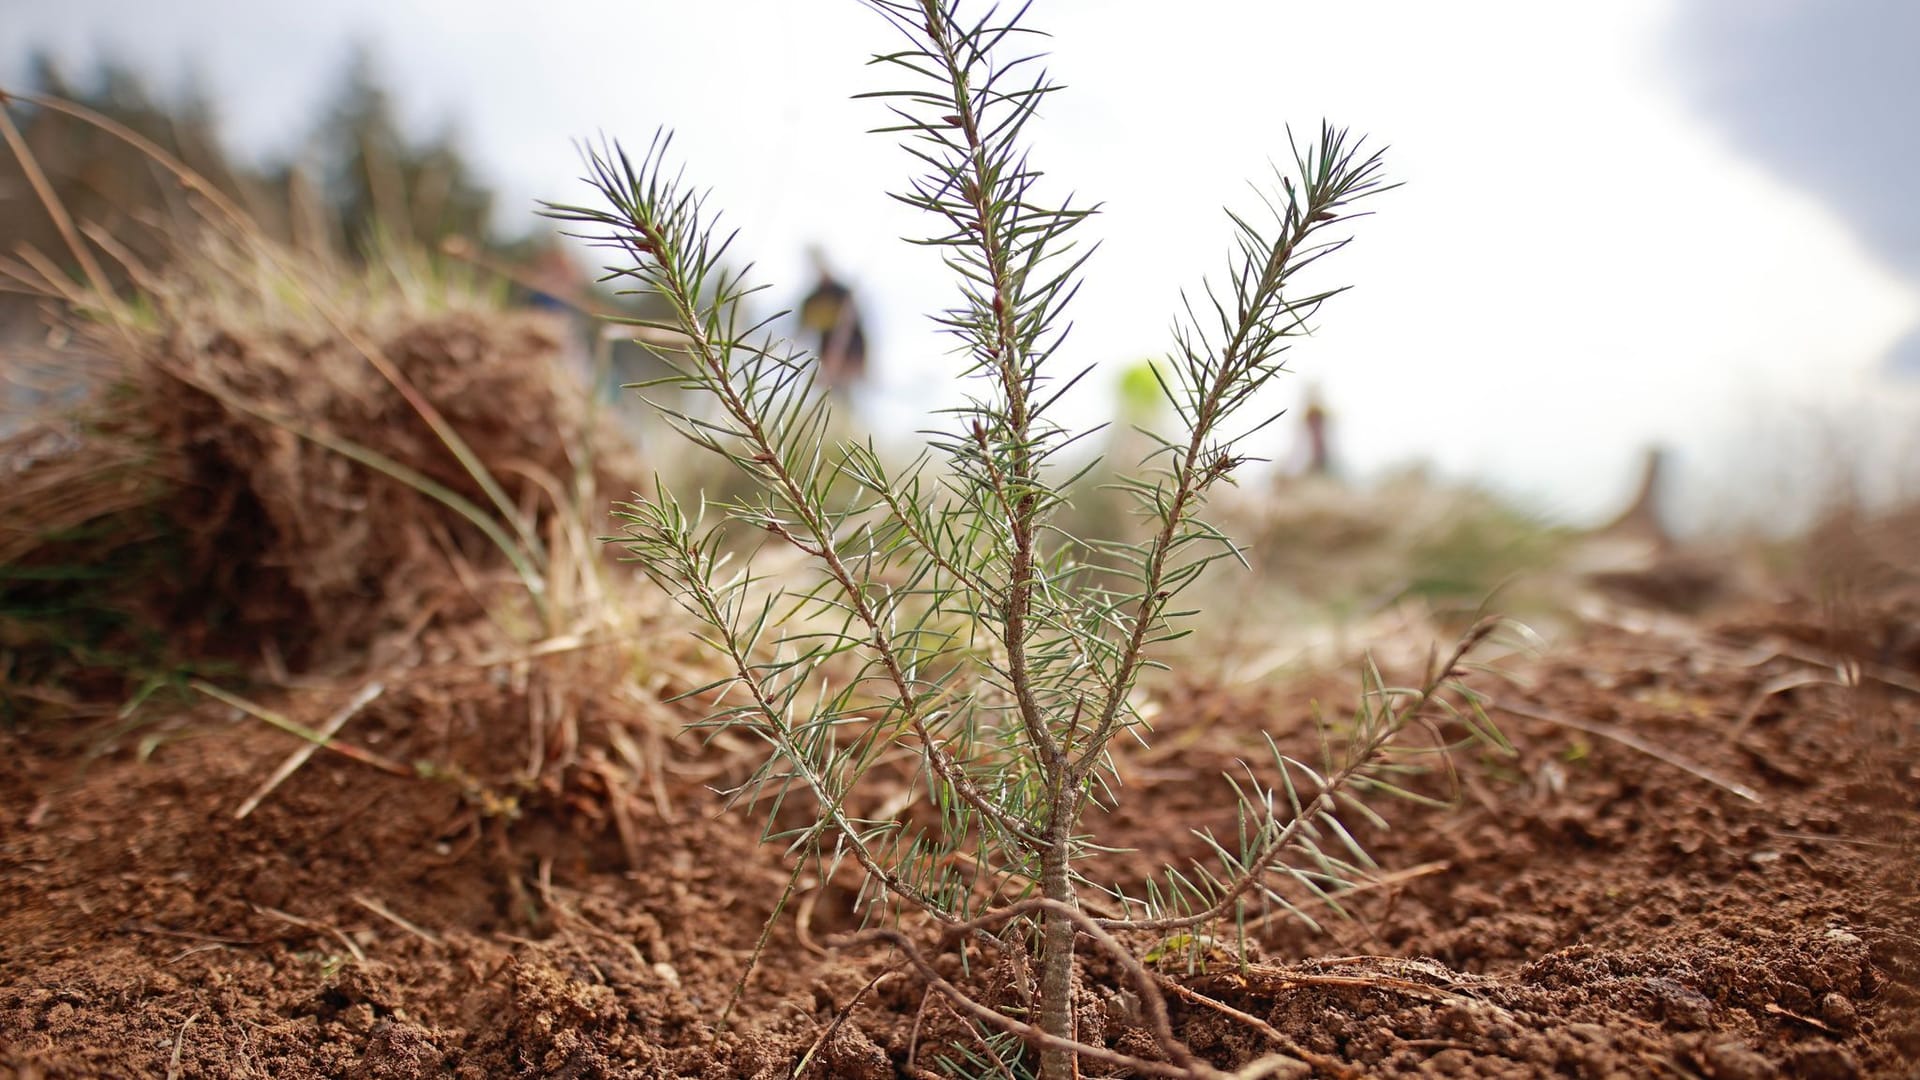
831, 315
1315, 452
1140, 406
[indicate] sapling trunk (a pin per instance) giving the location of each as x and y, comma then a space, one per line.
1057, 942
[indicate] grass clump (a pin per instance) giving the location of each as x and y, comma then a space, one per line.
945, 617
266, 458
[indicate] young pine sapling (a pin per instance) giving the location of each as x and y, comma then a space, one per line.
947, 617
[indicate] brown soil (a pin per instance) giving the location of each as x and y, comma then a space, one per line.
1587, 910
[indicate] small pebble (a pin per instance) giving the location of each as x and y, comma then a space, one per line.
1838, 1011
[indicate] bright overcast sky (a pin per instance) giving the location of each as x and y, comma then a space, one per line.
1585, 259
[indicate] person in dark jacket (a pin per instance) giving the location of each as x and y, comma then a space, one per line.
831, 316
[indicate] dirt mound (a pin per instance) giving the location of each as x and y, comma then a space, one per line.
230, 491
261, 420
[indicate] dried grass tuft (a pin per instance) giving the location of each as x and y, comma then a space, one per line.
271, 462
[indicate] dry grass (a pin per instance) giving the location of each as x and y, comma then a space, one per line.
305, 502
282, 480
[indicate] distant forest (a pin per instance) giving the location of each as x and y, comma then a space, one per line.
357, 181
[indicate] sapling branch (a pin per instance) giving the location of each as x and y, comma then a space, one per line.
702, 601
1361, 758
1238, 360
676, 283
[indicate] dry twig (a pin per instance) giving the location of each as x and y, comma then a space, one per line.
1629, 739
388, 914
299, 757
313, 926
